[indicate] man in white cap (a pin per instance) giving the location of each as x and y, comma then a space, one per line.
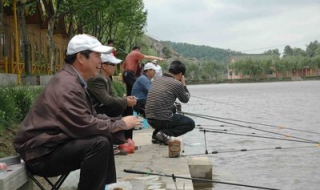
103, 98
158, 68
141, 87
62, 132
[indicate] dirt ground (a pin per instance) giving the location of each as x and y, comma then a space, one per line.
6, 142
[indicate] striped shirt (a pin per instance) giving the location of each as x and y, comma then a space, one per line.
161, 97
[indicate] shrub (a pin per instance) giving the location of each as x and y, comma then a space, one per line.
118, 88
15, 103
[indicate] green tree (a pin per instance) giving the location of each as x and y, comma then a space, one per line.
288, 51
311, 48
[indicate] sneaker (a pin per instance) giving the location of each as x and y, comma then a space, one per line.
161, 138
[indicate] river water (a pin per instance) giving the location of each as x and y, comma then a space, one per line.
290, 110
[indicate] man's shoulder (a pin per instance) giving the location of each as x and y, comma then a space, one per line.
98, 78
135, 54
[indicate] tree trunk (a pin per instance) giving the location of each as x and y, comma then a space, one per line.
52, 45
25, 39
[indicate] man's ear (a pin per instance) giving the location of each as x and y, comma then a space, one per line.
81, 58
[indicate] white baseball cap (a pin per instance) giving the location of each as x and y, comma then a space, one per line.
110, 58
83, 42
150, 66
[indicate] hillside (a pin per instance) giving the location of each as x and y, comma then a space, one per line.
202, 52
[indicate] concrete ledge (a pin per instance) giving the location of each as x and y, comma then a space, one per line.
16, 177
200, 167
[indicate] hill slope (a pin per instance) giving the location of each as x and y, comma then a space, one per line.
201, 52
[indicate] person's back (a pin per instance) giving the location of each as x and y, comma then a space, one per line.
162, 95
160, 109
43, 116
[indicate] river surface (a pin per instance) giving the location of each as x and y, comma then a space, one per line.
292, 109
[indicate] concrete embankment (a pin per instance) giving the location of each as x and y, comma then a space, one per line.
153, 158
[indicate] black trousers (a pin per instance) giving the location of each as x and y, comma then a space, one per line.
93, 156
140, 107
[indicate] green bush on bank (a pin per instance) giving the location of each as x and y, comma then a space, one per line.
16, 101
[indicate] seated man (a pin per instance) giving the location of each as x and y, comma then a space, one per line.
100, 90
141, 87
62, 132
102, 96
160, 108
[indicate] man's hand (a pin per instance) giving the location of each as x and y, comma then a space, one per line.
183, 80
131, 121
131, 101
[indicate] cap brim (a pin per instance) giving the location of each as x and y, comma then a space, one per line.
116, 61
102, 49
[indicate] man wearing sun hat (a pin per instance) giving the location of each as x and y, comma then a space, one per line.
141, 87
62, 132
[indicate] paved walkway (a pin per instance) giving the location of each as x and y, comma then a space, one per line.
148, 158
153, 158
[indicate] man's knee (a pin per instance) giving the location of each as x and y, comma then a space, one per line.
191, 124
101, 142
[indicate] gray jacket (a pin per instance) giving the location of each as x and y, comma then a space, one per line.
62, 112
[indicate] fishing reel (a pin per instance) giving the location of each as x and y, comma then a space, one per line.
178, 107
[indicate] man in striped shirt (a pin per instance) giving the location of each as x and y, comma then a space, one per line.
160, 109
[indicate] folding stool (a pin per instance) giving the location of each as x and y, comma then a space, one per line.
54, 186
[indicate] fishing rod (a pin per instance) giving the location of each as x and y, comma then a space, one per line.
262, 124
250, 150
174, 177
259, 136
200, 126
249, 127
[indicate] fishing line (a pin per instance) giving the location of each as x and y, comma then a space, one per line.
224, 103
259, 136
195, 179
255, 111
249, 127
250, 150
262, 124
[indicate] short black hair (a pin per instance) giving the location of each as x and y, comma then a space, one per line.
135, 47
177, 67
110, 41
69, 59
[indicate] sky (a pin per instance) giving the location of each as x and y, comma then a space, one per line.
248, 26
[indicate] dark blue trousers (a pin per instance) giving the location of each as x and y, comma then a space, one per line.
177, 126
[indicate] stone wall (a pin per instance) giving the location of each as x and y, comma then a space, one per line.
6, 79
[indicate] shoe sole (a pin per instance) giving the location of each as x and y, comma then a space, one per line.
156, 141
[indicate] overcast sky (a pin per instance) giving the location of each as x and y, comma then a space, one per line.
249, 26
